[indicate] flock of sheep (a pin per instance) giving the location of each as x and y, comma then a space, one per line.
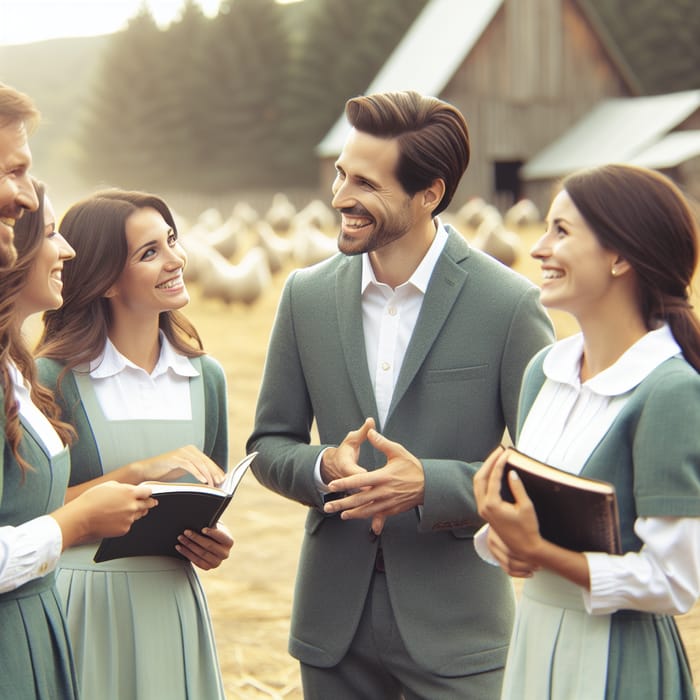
285, 237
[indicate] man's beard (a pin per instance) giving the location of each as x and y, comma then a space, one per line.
381, 236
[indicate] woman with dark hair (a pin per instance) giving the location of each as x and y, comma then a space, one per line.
131, 376
35, 660
619, 401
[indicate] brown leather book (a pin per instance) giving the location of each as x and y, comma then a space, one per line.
573, 511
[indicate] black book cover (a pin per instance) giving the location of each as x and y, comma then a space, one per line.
181, 506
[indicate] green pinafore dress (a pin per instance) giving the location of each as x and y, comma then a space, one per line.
35, 659
140, 626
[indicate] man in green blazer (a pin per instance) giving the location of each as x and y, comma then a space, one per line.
407, 349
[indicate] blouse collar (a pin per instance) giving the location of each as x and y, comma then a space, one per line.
563, 362
112, 362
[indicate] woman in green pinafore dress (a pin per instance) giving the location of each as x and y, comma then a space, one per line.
130, 375
619, 402
35, 657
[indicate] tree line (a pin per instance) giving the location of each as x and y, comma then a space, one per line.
239, 100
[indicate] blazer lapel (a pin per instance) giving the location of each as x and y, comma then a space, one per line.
349, 305
443, 290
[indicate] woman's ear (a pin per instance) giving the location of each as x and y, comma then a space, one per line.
620, 266
111, 292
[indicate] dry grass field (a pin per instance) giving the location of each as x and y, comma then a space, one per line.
250, 595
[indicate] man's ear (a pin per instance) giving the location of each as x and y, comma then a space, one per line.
433, 194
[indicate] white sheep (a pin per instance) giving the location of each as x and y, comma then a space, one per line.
311, 245
199, 254
210, 219
493, 238
280, 213
244, 212
523, 213
317, 213
243, 282
469, 214
279, 249
226, 239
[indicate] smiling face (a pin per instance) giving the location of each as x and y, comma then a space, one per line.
577, 271
375, 209
16, 190
151, 280
43, 287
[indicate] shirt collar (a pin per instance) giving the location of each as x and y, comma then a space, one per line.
112, 362
563, 362
421, 275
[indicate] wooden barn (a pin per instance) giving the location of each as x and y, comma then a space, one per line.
524, 73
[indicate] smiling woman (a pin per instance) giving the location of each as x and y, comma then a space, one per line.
147, 404
44, 285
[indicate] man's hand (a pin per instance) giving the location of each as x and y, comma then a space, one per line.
396, 487
341, 461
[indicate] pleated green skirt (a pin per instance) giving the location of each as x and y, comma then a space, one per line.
560, 652
35, 660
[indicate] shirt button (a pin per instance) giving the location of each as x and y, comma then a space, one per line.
386, 366
392, 311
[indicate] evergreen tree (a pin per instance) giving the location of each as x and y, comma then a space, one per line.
185, 94
247, 59
123, 129
345, 44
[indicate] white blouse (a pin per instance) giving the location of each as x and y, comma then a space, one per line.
125, 391
565, 424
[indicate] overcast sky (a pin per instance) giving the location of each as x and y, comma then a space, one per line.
26, 21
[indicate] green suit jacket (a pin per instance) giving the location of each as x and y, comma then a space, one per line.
458, 389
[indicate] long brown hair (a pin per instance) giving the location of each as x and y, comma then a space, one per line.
644, 217
96, 229
29, 236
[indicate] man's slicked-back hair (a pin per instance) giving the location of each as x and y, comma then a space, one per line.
432, 135
16, 107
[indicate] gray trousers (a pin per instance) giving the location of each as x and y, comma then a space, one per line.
378, 667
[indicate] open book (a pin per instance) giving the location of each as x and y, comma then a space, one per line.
573, 511
181, 506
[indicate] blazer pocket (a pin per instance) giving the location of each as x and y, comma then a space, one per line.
460, 374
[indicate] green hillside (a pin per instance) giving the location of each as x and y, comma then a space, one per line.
57, 74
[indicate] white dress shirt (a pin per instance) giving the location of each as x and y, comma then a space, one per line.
566, 422
389, 317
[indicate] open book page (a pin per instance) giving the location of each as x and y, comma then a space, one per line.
181, 506
226, 488
235, 474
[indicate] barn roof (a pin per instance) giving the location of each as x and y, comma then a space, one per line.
655, 41
672, 150
619, 130
427, 57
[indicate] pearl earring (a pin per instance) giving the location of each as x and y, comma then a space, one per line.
614, 272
